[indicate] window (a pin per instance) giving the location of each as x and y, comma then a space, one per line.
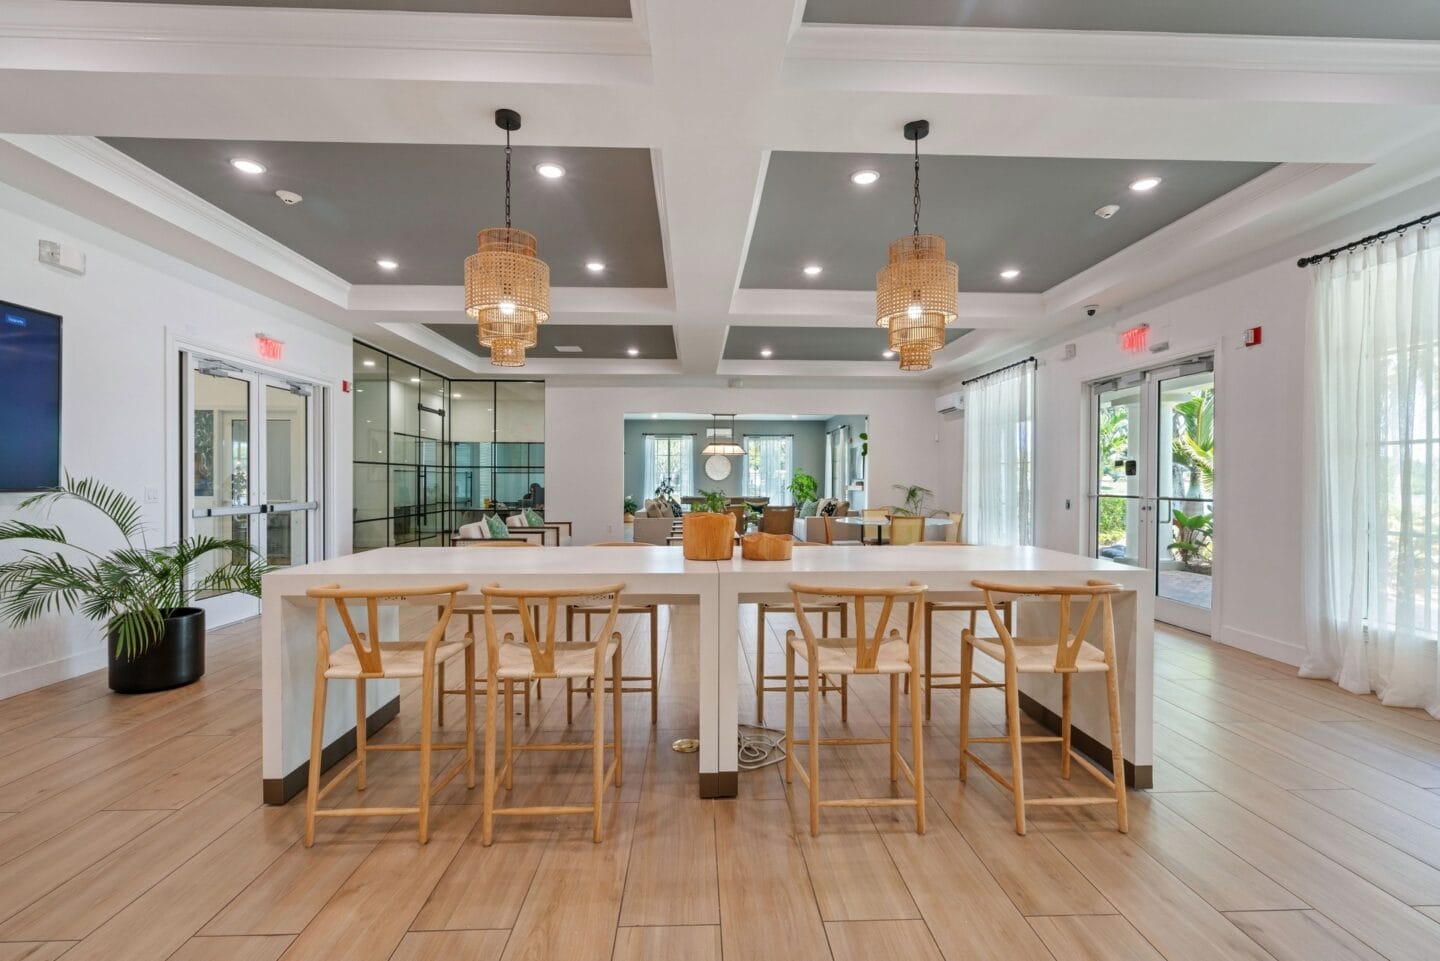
768, 464
999, 454
669, 458
837, 462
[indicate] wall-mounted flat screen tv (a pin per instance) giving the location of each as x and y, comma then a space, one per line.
29, 399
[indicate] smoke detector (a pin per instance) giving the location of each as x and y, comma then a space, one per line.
1107, 211
288, 197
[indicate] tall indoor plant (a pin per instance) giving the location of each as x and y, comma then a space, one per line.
142, 594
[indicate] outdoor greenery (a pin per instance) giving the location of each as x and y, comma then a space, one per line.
1192, 540
803, 487
631, 507
133, 588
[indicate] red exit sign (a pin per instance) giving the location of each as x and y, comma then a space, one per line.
268, 347
1136, 339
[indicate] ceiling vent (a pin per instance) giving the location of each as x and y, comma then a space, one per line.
568, 349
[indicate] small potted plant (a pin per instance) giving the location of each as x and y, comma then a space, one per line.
142, 594
804, 488
914, 497
631, 509
709, 529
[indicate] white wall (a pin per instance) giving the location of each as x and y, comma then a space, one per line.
122, 320
1258, 474
585, 435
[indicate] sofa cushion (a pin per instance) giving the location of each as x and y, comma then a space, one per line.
808, 508
499, 530
533, 519
517, 520
479, 531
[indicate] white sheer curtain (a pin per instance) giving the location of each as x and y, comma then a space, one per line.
1000, 457
669, 457
768, 464
1372, 509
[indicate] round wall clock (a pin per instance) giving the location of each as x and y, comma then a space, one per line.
717, 467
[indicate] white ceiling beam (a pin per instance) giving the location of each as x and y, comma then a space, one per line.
450, 299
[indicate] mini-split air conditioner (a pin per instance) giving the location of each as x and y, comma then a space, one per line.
950, 403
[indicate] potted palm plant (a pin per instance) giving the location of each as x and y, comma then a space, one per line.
143, 595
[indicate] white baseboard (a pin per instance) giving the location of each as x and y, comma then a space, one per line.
1277, 650
51, 672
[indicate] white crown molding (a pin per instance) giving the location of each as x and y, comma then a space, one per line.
757, 307
143, 37
106, 168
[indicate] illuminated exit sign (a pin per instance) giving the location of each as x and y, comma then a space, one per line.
1136, 339
268, 347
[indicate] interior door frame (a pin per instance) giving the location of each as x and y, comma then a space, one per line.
321, 475
1170, 612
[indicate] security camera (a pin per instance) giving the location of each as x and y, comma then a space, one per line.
1091, 309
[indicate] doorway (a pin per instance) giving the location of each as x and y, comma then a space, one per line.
1153, 471
251, 468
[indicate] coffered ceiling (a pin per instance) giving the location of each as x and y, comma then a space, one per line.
707, 150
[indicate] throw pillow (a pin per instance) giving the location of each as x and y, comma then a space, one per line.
533, 519
828, 509
516, 520
807, 509
498, 529
477, 532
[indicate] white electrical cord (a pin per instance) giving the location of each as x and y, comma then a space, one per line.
759, 747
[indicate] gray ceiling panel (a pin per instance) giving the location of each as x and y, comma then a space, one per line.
533, 8
814, 343
1378, 19
422, 204
596, 341
1034, 213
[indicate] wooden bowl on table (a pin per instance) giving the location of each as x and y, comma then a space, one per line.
766, 547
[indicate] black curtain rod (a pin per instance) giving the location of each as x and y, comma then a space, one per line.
1365, 241
998, 370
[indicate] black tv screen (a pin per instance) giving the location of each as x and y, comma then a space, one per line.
29, 399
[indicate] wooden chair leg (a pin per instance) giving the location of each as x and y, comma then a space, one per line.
597, 769
1117, 748
967, 659
487, 811
1065, 680
510, 731
917, 765
760, 664
895, 728
929, 625
1017, 772
654, 665
813, 706
618, 710
440, 694
427, 728
789, 709
469, 716
361, 731
844, 698
317, 732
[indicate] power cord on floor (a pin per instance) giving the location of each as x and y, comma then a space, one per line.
760, 747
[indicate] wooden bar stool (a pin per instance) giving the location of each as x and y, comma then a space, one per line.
1066, 654
539, 655
866, 653
631, 683
972, 608
470, 613
827, 683
368, 658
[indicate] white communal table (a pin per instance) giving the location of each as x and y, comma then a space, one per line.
661, 575
948, 572
287, 631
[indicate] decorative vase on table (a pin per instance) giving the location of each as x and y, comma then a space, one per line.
708, 537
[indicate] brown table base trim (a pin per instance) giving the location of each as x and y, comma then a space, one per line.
719, 784
278, 790
1142, 777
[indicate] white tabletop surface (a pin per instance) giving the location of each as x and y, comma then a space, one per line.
461, 562
884, 521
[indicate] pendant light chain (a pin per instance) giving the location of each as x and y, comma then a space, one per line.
917, 188
507, 179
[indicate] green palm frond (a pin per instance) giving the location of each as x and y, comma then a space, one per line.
122, 510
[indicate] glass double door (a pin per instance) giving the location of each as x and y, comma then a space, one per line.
1154, 483
251, 458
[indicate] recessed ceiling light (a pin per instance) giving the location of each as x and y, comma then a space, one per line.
888, 355
594, 266
1010, 273
568, 349
766, 352
247, 166
550, 170
1144, 184
386, 264
368, 363
813, 270
633, 351
454, 393
864, 178
414, 380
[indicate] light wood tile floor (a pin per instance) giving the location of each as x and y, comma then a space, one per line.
1289, 820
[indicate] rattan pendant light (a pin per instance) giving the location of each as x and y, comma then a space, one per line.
917, 291
507, 286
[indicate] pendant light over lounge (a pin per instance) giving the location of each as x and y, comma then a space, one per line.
722, 437
917, 291
507, 286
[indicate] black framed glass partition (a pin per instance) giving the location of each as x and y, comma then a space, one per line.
432, 453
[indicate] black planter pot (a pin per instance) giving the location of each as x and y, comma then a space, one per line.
176, 659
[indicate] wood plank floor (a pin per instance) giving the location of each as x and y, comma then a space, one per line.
1290, 820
